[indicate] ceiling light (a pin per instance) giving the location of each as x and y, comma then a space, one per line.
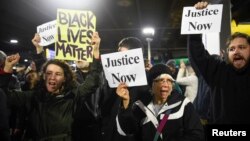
149, 31
13, 41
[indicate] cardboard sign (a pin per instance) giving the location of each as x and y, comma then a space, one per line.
47, 32
74, 31
127, 66
201, 21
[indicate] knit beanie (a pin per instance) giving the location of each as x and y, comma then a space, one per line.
156, 71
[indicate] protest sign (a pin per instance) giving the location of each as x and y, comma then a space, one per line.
74, 31
195, 21
127, 66
47, 32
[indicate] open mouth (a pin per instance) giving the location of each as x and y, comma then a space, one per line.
52, 83
164, 91
238, 60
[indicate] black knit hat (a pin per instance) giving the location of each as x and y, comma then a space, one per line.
156, 71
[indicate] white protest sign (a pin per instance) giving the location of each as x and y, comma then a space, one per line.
47, 32
195, 21
211, 42
50, 54
127, 66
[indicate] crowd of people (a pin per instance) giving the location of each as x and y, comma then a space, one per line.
52, 102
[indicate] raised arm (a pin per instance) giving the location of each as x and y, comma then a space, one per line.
209, 67
95, 41
10, 62
35, 41
39, 58
92, 80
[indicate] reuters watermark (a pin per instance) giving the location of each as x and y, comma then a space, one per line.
231, 133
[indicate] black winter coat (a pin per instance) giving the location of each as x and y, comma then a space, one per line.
230, 88
50, 116
183, 122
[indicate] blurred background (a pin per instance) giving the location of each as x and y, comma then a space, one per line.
116, 19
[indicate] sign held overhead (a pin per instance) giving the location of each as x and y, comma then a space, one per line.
196, 21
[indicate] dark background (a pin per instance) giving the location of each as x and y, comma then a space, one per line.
115, 19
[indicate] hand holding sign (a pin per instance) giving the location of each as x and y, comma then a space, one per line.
36, 41
95, 42
123, 93
201, 5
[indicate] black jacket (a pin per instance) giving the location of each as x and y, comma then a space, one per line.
4, 115
230, 88
183, 122
110, 107
87, 116
50, 117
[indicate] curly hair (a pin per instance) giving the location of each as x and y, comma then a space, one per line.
70, 77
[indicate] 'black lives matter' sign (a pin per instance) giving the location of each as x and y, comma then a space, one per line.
74, 31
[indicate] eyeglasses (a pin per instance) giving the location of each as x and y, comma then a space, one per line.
162, 80
240, 47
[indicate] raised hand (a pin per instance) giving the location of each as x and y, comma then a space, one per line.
35, 41
201, 5
182, 64
10, 62
95, 42
123, 93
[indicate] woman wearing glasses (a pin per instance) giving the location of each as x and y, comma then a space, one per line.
166, 115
